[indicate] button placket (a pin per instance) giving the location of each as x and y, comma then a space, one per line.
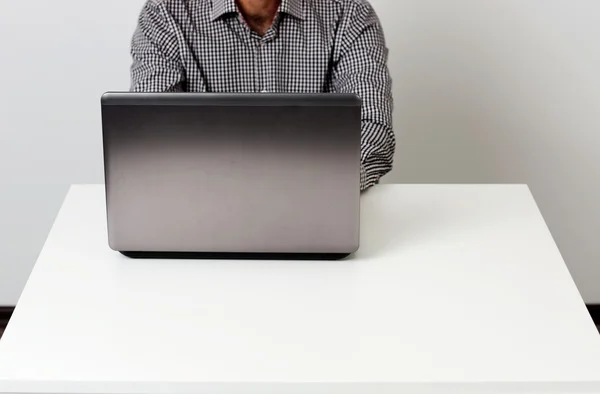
258, 69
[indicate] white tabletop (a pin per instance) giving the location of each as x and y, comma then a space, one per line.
454, 289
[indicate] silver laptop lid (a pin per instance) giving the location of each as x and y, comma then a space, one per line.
232, 173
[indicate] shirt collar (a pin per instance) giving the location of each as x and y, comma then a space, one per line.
223, 7
294, 8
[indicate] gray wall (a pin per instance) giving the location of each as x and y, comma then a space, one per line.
486, 91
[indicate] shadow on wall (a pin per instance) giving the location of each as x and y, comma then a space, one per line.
480, 91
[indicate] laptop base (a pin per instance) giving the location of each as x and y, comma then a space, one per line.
234, 256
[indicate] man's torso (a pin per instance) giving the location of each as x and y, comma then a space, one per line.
220, 53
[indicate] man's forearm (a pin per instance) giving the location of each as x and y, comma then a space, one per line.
376, 159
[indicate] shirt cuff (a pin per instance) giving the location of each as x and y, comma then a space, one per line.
367, 180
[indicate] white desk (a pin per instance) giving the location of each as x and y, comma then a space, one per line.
456, 289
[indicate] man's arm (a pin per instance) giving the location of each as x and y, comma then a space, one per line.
154, 48
362, 69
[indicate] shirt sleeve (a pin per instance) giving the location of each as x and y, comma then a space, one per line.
156, 64
362, 69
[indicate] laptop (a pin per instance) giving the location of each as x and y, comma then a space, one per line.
210, 175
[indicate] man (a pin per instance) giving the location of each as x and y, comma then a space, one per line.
304, 46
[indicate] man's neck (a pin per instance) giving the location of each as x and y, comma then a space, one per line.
259, 14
